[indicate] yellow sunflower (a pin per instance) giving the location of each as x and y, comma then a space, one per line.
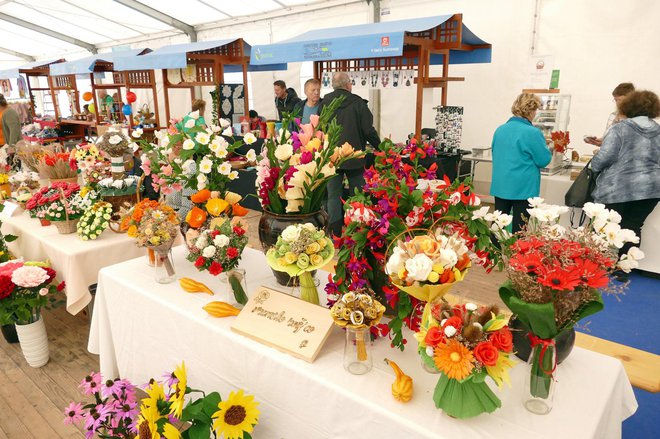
177, 399
147, 428
454, 360
237, 414
171, 432
156, 393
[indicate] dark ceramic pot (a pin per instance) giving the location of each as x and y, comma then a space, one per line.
9, 332
271, 226
522, 346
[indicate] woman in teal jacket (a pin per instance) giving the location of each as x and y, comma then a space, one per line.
519, 153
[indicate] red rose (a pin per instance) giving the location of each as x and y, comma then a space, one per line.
51, 274
6, 286
434, 336
215, 268
502, 339
239, 231
200, 261
232, 252
214, 233
455, 321
486, 353
61, 286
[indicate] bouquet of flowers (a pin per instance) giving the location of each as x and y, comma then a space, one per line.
57, 165
67, 202
114, 144
218, 250
26, 179
556, 276
116, 412
86, 155
42, 200
26, 288
301, 249
466, 344
210, 208
118, 187
30, 154
560, 140
94, 221
95, 173
294, 168
401, 196
191, 156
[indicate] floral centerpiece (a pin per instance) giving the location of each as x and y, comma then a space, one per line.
30, 154
116, 412
556, 276
114, 144
191, 156
560, 141
94, 221
294, 168
57, 166
26, 179
301, 249
466, 344
93, 174
66, 205
86, 155
25, 289
218, 250
401, 197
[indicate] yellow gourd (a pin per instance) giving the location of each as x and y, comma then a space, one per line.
402, 388
221, 309
192, 286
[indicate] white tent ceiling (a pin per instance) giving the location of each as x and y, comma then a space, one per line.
46, 28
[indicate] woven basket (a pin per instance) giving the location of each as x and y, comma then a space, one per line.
67, 226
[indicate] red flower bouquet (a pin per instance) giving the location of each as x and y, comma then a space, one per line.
560, 140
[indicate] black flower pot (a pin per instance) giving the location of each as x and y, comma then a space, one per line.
9, 332
522, 346
271, 226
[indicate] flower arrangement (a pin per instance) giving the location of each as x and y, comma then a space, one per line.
30, 154
191, 156
68, 204
118, 187
402, 197
152, 224
210, 208
556, 276
426, 266
95, 173
560, 140
466, 344
218, 249
40, 201
301, 249
26, 288
114, 144
94, 221
86, 155
57, 165
27, 179
116, 412
294, 168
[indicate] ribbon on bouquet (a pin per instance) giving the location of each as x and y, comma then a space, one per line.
545, 343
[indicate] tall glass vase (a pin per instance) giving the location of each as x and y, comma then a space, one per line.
164, 272
357, 351
540, 382
234, 286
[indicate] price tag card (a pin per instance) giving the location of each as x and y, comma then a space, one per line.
285, 322
7, 209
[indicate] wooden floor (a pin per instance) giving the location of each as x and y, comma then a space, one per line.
32, 400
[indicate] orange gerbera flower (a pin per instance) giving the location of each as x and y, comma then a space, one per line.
454, 360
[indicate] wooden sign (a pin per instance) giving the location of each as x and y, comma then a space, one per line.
285, 322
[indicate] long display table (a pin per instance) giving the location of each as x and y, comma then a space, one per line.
142, 329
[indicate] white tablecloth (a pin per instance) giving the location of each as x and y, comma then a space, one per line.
142, 329
77, 262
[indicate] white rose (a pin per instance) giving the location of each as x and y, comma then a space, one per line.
190, 123
221, 240
395, 262
202, 138
251, 156
206, 166
115, 139
291, 233
448, 257
201, 242
215, 128
283, 152
188, 144
137, 133
209, 251
194, 115
419, 267
249, 138
450, 331
626, 264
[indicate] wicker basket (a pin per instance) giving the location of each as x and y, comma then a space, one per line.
67, 226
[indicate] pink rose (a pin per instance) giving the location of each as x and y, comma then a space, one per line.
43, 291
29, 276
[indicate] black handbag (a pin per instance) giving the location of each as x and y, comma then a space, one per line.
580, 191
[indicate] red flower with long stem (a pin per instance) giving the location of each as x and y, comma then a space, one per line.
559, 278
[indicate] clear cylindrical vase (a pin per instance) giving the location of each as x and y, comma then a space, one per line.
164, 266
151, 257
358, 359
541, 380
234, 287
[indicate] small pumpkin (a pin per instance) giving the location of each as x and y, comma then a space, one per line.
200, 196
196, 217
402, 388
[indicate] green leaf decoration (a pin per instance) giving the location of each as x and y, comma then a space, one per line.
465, 399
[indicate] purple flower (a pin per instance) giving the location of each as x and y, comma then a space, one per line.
170, 379
295, 142
111, 387
97, 416
91, 384
73, 413
306, 157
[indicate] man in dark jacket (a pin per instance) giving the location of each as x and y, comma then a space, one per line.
285, 98
357, 124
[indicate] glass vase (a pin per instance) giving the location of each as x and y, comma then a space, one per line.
234, 287
151, 257
164, 266
541, 379
358, 359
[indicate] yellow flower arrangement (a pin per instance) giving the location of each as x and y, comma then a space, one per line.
236, 415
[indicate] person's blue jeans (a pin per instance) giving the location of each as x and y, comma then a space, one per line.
336, 193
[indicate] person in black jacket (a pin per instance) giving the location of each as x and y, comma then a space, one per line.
285, 98
357, 124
